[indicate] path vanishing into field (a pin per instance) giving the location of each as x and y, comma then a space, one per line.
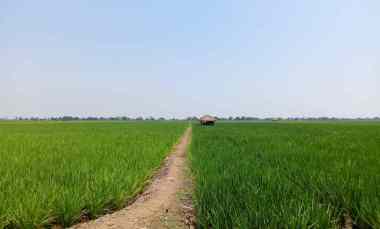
166, 202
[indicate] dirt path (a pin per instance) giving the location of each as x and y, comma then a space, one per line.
164, 204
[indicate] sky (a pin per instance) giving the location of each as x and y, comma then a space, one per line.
273, 58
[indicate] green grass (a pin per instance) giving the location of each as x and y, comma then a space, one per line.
287, 175
54, 172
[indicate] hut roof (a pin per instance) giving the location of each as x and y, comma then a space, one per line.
208, 118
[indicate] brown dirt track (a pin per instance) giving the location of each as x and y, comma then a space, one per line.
166, 203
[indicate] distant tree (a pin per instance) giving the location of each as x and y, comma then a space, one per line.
221, 118
69, 118
191, 118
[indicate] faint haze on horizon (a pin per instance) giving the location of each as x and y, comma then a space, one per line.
188, 58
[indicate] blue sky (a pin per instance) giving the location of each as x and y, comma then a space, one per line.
185, 58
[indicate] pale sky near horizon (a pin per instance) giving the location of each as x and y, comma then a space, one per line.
274, 58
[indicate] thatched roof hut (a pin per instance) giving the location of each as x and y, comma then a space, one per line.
207, 120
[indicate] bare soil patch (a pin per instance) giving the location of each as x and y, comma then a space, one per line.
166, 203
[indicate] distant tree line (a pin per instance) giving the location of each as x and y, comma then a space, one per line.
95, 118
248, 118
190, 118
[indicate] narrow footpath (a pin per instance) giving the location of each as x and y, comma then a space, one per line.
166, 202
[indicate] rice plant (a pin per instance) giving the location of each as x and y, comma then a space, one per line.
287, 175
61, 173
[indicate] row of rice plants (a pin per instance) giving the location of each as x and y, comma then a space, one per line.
58, 173
287, 175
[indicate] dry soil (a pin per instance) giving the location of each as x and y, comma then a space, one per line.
166, 202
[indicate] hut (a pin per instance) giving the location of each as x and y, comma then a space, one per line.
207, 120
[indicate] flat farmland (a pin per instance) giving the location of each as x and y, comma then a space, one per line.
62, 172
287, 175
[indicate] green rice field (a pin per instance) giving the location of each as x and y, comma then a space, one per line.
59, 172
246, 175
287, 175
